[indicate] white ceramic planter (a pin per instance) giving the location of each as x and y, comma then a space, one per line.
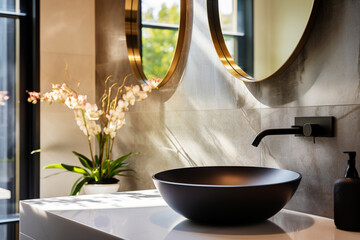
101, 188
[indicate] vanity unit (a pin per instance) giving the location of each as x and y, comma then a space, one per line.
144, 215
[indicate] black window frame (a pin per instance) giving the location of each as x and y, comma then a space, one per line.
28, 179
29, 113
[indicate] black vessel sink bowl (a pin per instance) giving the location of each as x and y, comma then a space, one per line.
223, 195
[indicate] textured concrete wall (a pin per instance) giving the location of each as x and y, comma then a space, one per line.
212, 117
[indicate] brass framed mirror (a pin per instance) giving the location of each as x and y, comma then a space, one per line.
257, 39
155, 37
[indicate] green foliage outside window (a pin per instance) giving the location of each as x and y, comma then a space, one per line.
158, 45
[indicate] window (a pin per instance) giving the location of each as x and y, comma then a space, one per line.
18, 130
159, 34
236, 17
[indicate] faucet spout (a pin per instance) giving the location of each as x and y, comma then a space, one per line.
278, 131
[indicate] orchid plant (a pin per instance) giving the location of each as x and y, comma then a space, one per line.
101, 124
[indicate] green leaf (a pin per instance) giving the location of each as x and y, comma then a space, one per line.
105, 153
117, 173
72, 192
78, 185
126, 170
96, 175
123, 158
36, 151
118, 163
99, 139
68, 168
86, 162
106, 164
54, 174
97, 160
117, 166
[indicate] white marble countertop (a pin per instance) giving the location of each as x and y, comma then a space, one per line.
144, 215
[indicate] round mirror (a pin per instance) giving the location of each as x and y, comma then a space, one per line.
257, 39
155, 33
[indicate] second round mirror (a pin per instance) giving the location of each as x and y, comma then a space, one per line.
255, 39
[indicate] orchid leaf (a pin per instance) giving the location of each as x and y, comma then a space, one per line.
119, 165
72, 192
78, 185
126, 170
54, 174
68, 168
97, 160
96, 175
86, 162
122, 158
36, 151
117, 172
118, 162
106, 164
99, 139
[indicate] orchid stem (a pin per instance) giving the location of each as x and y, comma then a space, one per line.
111, 147
89, 141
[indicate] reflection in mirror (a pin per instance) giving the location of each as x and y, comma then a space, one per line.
255, 38
155, 36
236, 18
159, 32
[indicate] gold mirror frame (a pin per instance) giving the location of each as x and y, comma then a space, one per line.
132, 40
223, 52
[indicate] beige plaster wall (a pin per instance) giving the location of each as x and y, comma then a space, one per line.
67, 36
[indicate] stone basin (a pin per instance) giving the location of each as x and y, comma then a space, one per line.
227, 194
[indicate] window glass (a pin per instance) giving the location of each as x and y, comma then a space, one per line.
7, 5
7, 122
160, 11
159, 34
228, 15
158, 47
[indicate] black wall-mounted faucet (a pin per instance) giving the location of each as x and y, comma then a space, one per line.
276, 131
304, 126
